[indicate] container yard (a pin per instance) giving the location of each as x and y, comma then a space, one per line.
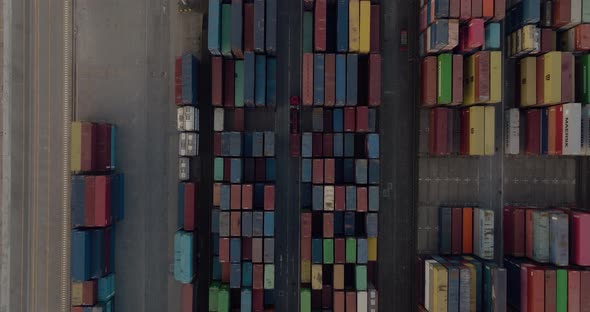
298, 155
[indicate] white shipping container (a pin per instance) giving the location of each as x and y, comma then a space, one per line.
191, 118
192, 144
512, 130
361, 301
218, 117
184, 169
180, 119
429, 276
182, 144
486, 235
572, 129
329, 198
586, 130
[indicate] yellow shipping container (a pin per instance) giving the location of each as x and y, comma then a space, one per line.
528, 81
476, 131
76, 146
472, 285
495, 77
469, 83
353, 26
372, 248
489, 131
316, 276
329, 198
552, 78
528, 38
338, 276
439, 302
305, 271
77, 293
365, 27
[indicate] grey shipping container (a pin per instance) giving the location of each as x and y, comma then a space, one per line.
269, 144
317, 119
271, 27
237, 24
318, 79
188, 144
541, 236
218, 119
235, 149
372, 224
224, 224
249, 78
338, 145
225, 143
247, 224
259, 23
269, 250
306, 170
361, 171
374, 166
257, 223
235, 250
224, 197
257, 144
215, 220
235, 275
348, 145
559, 238
351, 197
236, 170
214, 36
317, 197
184, 169
373, 198
306, 144
361, 247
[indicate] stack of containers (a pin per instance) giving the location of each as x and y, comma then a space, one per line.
461, 74
242, 42
96, 204
549, 42
185, 86
548, 258
340, 157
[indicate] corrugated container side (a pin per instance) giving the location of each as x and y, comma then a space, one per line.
214, 25
236, 30
320, 25
259, 24
250, 75
374, 80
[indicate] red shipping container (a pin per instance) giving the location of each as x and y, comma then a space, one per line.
536, 290
465, 10
438, 139
339, 250
226, 169
582, 37
499, 10
476, 8
318, 171
178, 81
89, 292
584, 288
457, 79
295, 145
257, 250
488, 9
529, 233
573, 291
326, 297
235, 224
374, 98
559, 130
317, 144
349, 119
330, 80
524, 277
533, 127
550, 290
561, 13
306, 249
567, 76
339, 301
216, 143
482, 70
258, 276
239, 119
247, 248
475, 34
456, 230
216, 80
306, 225
518, 218
375, 29
103, 147
361, 199
580, 236
319, 35
307, 79
228, 82
88, 161
190, 206
187, 297
339, 198
102, 201
235, 197
247, 196
269, 197
89, 201
257, 300
429, 78
464, 145
350, 301
508, 229
260, 165
362, 119
249, 27
329, 168
328, 147
77, 309
224, 249
328, 224
540, 82
423, 20
225, 271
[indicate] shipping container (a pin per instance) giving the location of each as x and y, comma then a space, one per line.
249, 78
364, 24
259, 24
260, 84
341, 81
271, 27
318, 79
214, 25
183, 257
374, 98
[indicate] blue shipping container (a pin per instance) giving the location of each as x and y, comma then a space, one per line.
440, 34
97, 253
338, 223
373, 145
110, 232
118, 196
306, 144
235, 250
348, 145
338, 145
224, 197
225, 143
259, 195
361, 171
246, 300
77, 200
215, 244
235, 144
531, 11
260, 85
271, 81
306, 195
113, 146
247, 274
183, 257
214, 35
270, 169
306, 170
318, 79
316, 250
236, 170
189, 79
249, 78
318, 197
361, 249
341, 79
216, 269
257, 144
106, 288
342, 27
338, 120
235, 275
372, 120
441, 9
236, 24
80, 257
271, 27
373, 198
348, 170
269, 144
349, 222
372, 224
269, 224
248, 140
374, 165
492, 36
351, 197
259, 12
247, 224
351, 79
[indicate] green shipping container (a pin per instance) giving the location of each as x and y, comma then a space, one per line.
308, 32
226, 30
305, 300
350, 250
445, 78
213, 297
561, 300
361, 277
218, 169
239, 84
269, 276
585, 13
582, 79
328, 251
223, 299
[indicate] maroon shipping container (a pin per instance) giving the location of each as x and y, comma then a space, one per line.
103, 147
550, 290
328, 224
190, 208
216, 143
533, 126
327, 297
573, 291
339, 301
228, 83
235, 197
582, 37
225, 271
328, 144
247, 196
307, 79
567, 77
584, 288
339, 198
329, 169
328, 121
349, 118
247, 248
258, 300
548, 40
375, 29
306, 225
482, 70
350, 301
89, 191
561, 13
187, 297
374, 98
216, 81
438, 144
306, 249
224, 249
257, 250
318, 171
362, 119
260, 169
465, 10
295, 145
499, 10
361, 199
226, 169
476, 8
235, 224
178, 81
319, 36
330, 80
457, 79
269, 197
456, 231
239, 119
88, 161
454, 8
249, 27
258, 276
339, 250
102, 201
429, 86
317, 145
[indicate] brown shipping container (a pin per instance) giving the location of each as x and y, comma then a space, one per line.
550, 290
235, 224
339, 250
306, 249
548, 40
235, 197
465, 10
225, 270
216, 194
339, 198
540, 79
338, 276
317, 145
223, 249
329, 168
454, 8
375, 29
257, 250
269, 197
476, 8
361, 199
187, 297
499, 10
249, 27
294, 145
228, 83
89, 202
429, 86
216, 80
457, 79
307, 79
349, 118
217, 143
319, 35
582, 37
247, 248
247, 196
339, 301
567, 77
362, 119
350, 301
328, 224
584, 287
239, 119
561, 13
306, 225
328, 144
88, 161
374, 80
318, 171
330, 80
258, 276
482, 71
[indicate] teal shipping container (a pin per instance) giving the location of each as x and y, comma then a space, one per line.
183, 257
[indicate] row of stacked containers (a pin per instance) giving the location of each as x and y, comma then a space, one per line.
340, 155
97, 203
242, 44
187, 117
